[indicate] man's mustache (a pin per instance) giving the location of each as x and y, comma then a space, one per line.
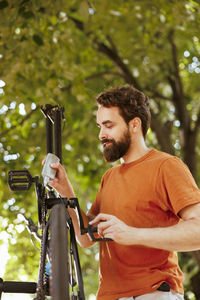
104, 141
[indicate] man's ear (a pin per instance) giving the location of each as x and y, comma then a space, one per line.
135, 125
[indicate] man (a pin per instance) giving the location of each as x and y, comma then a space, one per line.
149, 203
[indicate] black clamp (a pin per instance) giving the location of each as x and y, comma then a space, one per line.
91, 230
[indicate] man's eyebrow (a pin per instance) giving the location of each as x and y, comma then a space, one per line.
105, 122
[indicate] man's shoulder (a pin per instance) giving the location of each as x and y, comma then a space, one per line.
168, 162
111, 170
161, 156
154, 157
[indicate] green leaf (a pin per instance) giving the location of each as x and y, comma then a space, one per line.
38, 39
53, 20
28, 14
25, 12
23, 2
3, 4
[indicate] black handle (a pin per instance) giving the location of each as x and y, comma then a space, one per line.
17, 287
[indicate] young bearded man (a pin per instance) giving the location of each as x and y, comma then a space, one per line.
149, 203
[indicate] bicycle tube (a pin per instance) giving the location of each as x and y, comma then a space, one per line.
59, 274
77, 265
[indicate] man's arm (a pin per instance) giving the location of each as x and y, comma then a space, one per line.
184, 236
63, 186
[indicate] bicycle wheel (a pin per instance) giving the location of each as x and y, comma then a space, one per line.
59, 274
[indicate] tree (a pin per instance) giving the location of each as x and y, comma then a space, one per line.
66, 53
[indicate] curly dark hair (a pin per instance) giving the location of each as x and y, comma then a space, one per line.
131, 102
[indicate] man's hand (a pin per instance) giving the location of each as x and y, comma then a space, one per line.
111, 227
61, 182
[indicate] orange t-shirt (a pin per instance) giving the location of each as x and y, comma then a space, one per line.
145, 193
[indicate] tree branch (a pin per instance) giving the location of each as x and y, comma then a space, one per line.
197, 124
111, 52
177, 87
163, 133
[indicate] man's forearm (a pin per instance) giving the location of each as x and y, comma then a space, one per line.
83, 240
184, 236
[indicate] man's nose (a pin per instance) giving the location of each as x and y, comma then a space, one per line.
102, 134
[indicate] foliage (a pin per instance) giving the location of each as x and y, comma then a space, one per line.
66, 52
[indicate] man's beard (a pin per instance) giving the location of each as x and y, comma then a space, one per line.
116, 150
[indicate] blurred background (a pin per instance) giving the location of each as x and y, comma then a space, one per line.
65, 53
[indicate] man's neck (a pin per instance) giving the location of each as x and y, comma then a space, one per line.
135, 152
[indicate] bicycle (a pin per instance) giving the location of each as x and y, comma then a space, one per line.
65, 279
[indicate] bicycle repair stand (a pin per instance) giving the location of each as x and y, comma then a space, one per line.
46, 199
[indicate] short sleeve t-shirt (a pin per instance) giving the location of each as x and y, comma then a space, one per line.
146, 193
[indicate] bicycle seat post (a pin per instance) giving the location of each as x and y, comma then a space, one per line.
47, 112
54, 116
49, 136
58, 133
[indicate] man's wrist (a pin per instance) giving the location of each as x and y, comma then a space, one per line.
134, 236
